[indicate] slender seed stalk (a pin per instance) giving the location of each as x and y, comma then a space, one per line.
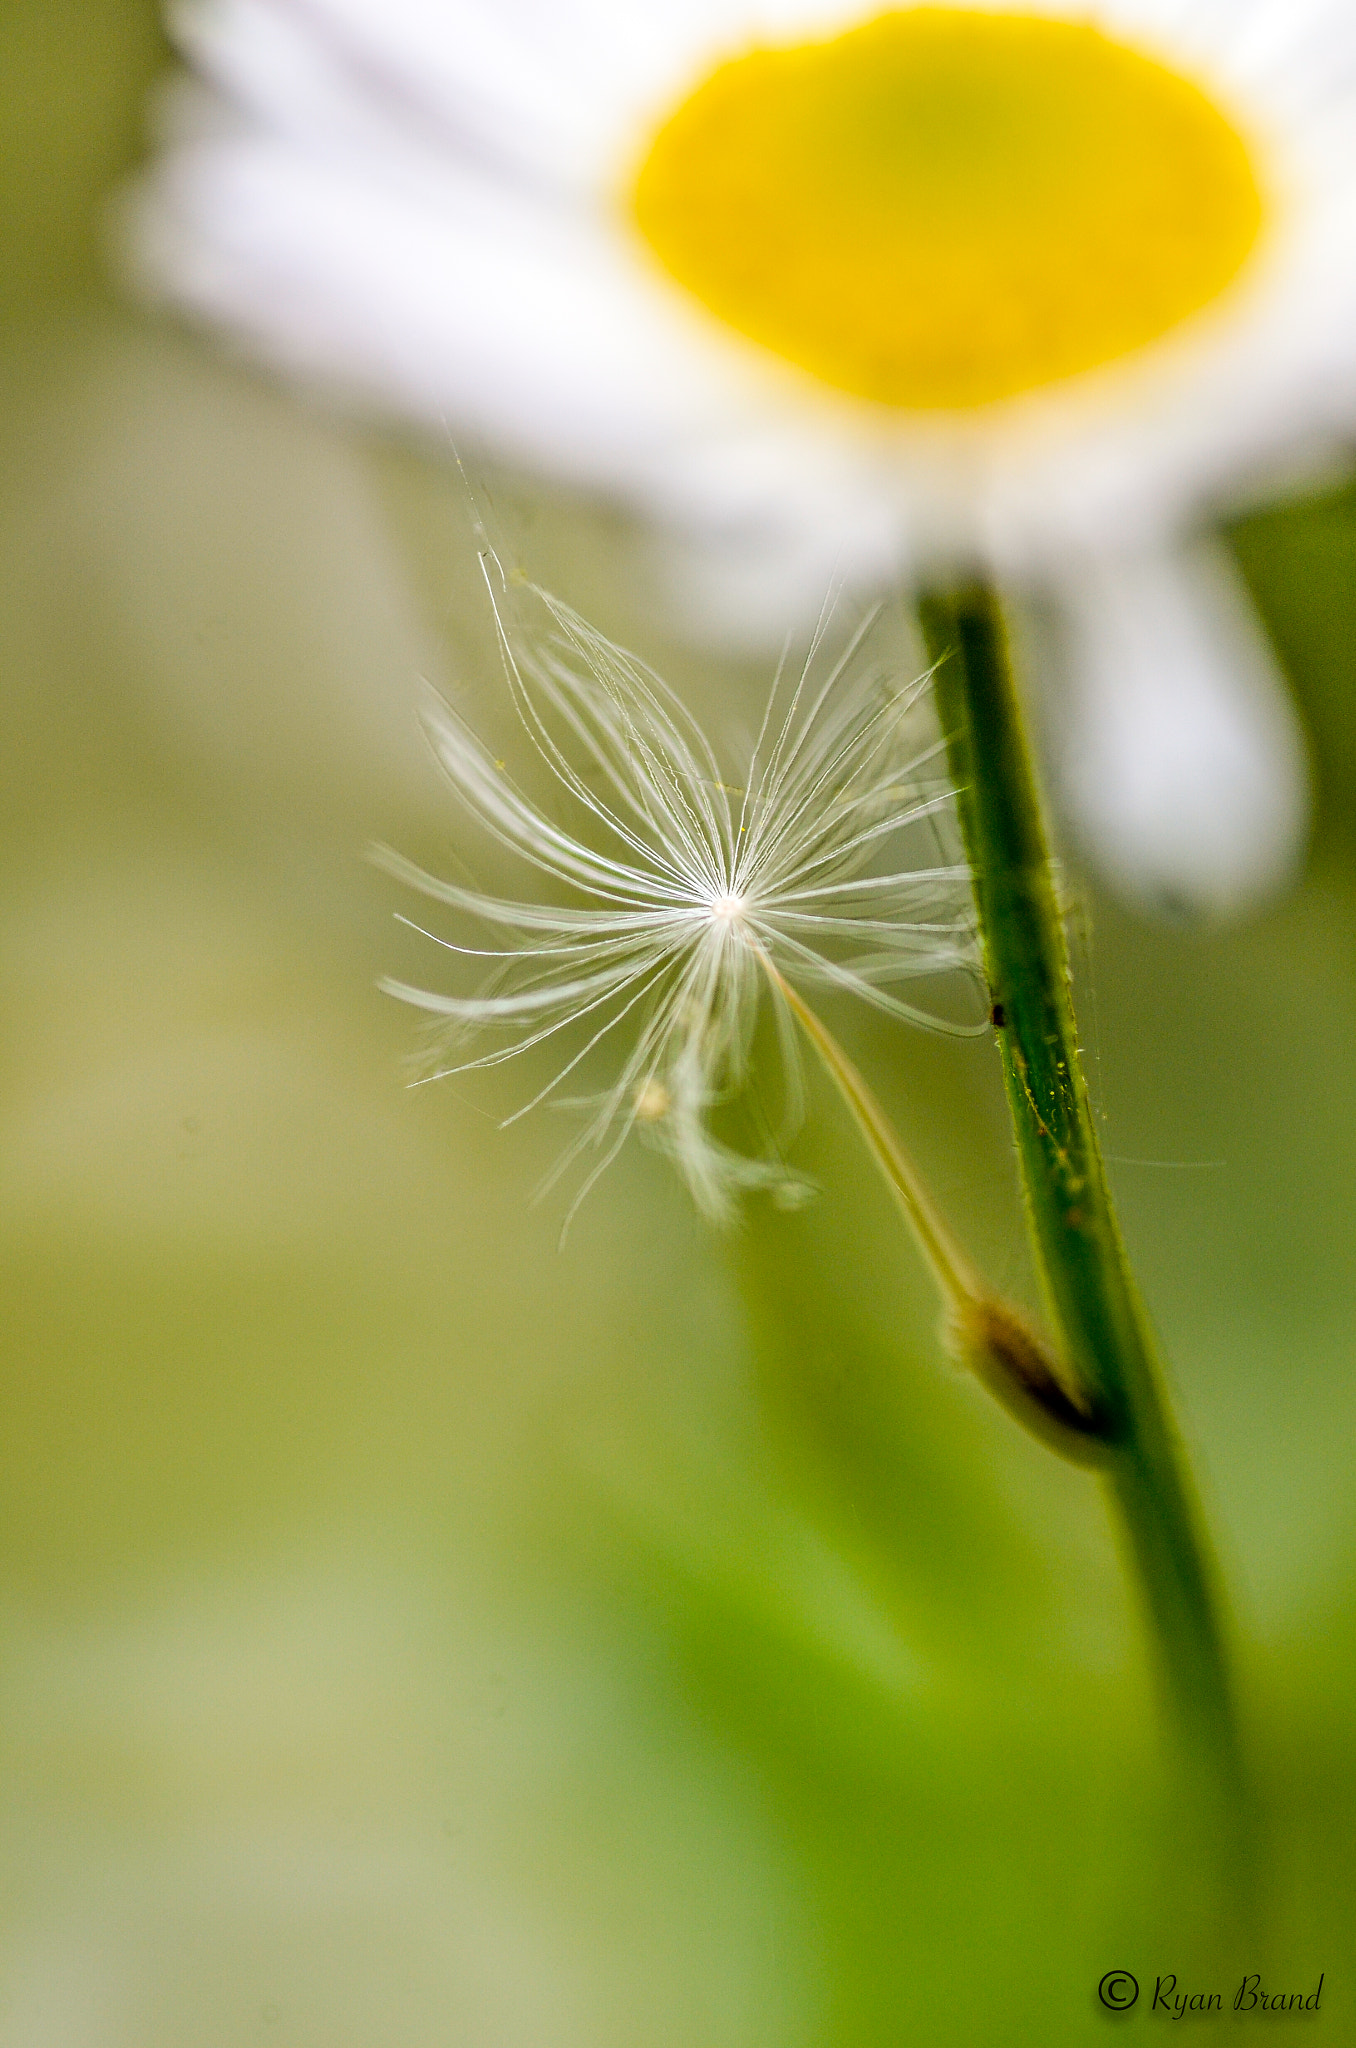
956, 1278
985, 1333
1095, 1306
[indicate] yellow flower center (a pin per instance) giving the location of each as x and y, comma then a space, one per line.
945, 206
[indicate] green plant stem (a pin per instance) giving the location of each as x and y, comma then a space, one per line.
1081, 1256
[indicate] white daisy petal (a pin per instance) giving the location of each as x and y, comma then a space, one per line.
1180, 755
531, 339
446, 75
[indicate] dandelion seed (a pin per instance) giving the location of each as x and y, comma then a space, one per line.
692, 898
691, 894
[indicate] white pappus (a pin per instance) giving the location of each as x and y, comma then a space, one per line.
690, 891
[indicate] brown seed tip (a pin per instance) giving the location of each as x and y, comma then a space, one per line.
1000, 1347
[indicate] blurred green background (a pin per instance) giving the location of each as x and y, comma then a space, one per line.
418, 1635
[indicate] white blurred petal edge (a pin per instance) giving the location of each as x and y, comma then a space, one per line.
1176, 750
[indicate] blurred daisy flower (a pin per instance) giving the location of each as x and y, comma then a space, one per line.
824, 290
688, 898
